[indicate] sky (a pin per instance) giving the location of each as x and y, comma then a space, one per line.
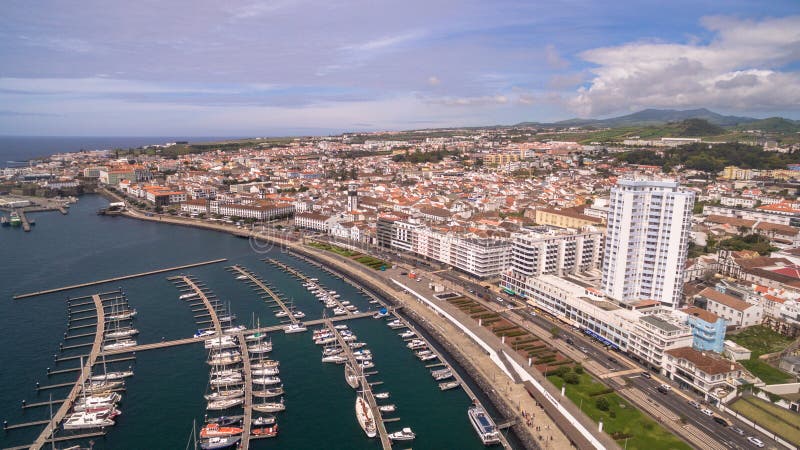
279, 67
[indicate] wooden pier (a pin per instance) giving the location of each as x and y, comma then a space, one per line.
302, 277
110, 280
248, 394
260, 284
366, 390
54, 422
202, 295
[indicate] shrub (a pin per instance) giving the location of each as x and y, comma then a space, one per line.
602, 404
571, 378
579, 369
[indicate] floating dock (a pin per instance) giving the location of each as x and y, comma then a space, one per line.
302, 277
111, 280
248, 394
260, 284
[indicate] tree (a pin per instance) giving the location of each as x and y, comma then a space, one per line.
555, 331
571, 378
602, 404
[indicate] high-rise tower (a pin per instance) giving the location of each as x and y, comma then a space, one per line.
646, 241
352, 197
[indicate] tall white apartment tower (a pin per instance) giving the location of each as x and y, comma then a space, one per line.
646, 241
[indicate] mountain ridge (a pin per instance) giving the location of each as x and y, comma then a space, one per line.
652, 116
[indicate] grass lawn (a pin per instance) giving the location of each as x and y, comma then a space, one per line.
375, 263
332, 248
761, 340
778, 420
644, 433
767, 373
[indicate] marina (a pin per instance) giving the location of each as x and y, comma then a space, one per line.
165, 339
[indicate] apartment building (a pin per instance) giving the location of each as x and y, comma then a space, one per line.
261, 212
566, 217
707, 374
708, 329
646, 241
736, 312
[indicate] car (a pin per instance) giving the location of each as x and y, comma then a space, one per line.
721, 421
568, 340
707, 412
613, 360
738, 431
694, 404
646, 375
583, 349
664, 388
499, 300
755, 441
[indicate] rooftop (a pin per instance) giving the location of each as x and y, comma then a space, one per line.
707, 362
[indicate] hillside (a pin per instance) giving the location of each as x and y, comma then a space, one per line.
651, 117
773, 125
711, 158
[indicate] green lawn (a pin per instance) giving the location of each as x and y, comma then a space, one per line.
774, 418
761, 340
332, 248
767, 373
642, 431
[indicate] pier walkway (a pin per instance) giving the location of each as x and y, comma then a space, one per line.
366, 389
197, 290
248, 394
253, 279
51, 428
193, 340
110, 280
302, 277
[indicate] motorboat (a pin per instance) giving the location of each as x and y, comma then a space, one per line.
298, 314
95, 387
447, 385
224, 360
382, 395
226, 380
407, 334
221, 342
215, 430
96, 401
403, 435
330, 351
269, 406
234, 330
366, 364
265, 371
217, 443
337, 359
395, 323
416, 344
355, 345
218, 405
365, 417
294, 328
187, 296
281, 314
83, 419
225, 421
122, 333
441, 374
387, 408
264, 432
427, 357
260, 421
204, 333
264, 364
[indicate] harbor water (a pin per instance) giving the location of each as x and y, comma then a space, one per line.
166, 394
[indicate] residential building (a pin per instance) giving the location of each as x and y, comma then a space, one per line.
708, 329
312, 221
566, 217
267, 211
736, 312
707, 374
647, 239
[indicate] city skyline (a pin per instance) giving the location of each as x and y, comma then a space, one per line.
254, 68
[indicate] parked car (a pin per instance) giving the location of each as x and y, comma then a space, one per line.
664, 388
707, 412
646, 375
755, 441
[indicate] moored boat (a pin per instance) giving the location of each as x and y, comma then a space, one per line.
365, 417
294, 328
219, 405
265, 432
403, 435
215, 430
84, 419
447, 385
217, 443
351, 376
268, 393
484, 425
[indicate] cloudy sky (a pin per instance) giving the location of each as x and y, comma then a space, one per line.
210, 67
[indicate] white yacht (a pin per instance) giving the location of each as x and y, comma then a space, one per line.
83, 419
403, 435
295, 328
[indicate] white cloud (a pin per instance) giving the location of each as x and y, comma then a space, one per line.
385, 42
740, 68
434, 81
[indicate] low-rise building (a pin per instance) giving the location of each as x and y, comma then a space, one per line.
566, 218
707, 374
736, 312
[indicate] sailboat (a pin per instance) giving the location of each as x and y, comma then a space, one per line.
365, 417
269, 406
351, 376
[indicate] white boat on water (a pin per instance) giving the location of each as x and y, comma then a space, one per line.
117, 345
226, 372
225, 394
407, 334
234, 330
395, 324
226, 380
325, 340
337, 359
484, 425
403, 435
122, 315
96, 401
224, 360
427, 357
365, 417
122, 333
382, 395
339, 312
219, 405
366, 364
294, 328
340, 327
263, 420
261, 347
101, 386
255, 337
416, 343
242, 277
355, 345
330, 351
387, 408
447, 385
269, 406
265, 364
265, 371
109, 376
188, 296
83, 419
281, 314
220, 342
441, 374
266, 380
203, 333
298, 314
351, 376
268, 393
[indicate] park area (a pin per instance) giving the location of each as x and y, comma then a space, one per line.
631, 428
369, 261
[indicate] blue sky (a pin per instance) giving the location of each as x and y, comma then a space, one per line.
203, 67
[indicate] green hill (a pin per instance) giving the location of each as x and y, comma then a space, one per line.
773, 125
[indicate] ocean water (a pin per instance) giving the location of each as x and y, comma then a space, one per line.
15, 150
166, 394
